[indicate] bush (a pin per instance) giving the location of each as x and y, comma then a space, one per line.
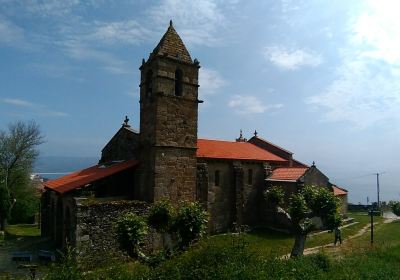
131, 230
190, 223
161, 216
395, 205
67, 269
274, 196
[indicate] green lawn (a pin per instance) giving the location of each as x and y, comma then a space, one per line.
22, 230
267, 242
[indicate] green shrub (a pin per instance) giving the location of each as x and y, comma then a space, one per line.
66, 269
274, 196
395, 205
131, 230
190, 223
161, 216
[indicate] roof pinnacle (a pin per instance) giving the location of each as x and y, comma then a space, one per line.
170, 23
125, 124
241, 139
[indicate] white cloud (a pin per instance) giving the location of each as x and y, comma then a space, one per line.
111, 63
378, 30
200, 22
118, 32
360, 95
11, 34
366, 90
18, 102
210, 81
291, 59
250, 105
48, 8
37, 109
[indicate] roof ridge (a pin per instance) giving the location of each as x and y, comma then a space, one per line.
279, 147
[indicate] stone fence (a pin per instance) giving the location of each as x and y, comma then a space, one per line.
96, 238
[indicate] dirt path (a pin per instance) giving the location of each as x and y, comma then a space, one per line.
361, 232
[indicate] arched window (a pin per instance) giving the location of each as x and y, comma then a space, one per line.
178, 82
149, 83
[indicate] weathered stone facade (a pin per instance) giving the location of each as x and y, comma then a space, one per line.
168, 122
236, 197
95, 227
123, 145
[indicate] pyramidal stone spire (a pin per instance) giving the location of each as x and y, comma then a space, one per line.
171, 45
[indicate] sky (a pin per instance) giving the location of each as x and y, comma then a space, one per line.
319, 78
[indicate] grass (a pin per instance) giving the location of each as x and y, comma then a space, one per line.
254, 257
267, 242
210, 261
23, 230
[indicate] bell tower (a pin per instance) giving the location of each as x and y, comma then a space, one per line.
168, 121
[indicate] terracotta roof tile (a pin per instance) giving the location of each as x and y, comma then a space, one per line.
338, 190
287, 173
82, 177
233, 150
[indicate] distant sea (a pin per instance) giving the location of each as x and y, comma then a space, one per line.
58, 166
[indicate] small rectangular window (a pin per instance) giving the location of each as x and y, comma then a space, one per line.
250, 177
216, 178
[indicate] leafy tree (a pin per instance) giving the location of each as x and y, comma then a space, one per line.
395, 206
18, 151
27, 203
310, 202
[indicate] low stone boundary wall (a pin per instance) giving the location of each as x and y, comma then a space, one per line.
96, 238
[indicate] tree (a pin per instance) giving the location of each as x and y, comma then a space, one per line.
18, 151
311, 203
395, 206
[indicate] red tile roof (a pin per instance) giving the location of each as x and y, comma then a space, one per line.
82, 177
287, 173
338, 191
233, 150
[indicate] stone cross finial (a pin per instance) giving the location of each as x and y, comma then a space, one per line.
241, 139
126, 122
313, 163
255, 133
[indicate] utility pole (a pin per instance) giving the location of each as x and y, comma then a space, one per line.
377, 189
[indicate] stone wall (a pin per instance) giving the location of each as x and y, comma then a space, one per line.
95, 228
175, 174
315, 177
221, 200
237, 198
122, 146
253, 192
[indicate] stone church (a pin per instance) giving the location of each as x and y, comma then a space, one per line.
165, 159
